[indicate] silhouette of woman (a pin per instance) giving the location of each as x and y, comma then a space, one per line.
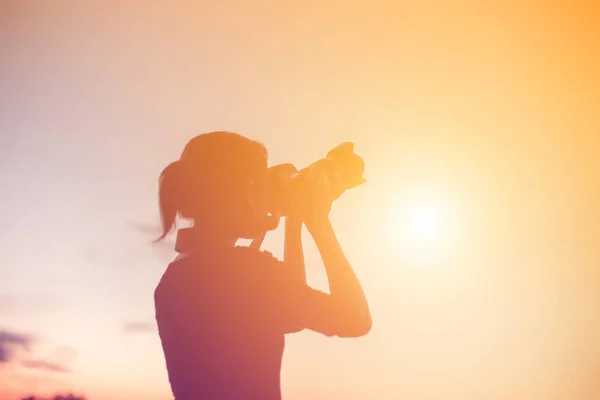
223, 310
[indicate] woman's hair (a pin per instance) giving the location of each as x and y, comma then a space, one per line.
209, 181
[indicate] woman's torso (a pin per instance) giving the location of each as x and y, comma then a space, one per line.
220, 337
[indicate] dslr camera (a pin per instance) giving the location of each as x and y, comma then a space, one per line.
341, 169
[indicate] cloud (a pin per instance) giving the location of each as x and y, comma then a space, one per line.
139, 327
45, 365
11, 340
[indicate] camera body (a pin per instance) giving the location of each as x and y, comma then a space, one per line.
340, 170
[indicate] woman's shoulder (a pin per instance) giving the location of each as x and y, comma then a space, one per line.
220, 257
214, 262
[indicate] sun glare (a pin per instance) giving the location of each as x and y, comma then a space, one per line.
423, 222
418, 232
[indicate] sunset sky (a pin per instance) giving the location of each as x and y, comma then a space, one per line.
477, 236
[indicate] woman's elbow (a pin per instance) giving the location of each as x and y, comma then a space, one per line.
359, 327
364, 326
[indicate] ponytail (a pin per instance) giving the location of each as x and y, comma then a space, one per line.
207, 184
170, 196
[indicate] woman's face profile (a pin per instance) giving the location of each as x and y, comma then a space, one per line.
257, 192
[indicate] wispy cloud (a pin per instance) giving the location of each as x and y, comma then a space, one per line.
139, 327
12, 341
16, 347
45, 365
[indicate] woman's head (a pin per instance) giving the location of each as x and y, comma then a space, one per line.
219, 183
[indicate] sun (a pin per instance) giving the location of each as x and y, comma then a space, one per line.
422, 223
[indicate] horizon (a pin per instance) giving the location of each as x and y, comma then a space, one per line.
476, 240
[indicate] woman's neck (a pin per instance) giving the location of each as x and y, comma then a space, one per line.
189, 239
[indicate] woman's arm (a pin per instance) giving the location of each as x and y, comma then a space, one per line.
344, 311
293, 255
346, 293
293, 258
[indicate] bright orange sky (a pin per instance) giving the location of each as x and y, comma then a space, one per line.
484, 111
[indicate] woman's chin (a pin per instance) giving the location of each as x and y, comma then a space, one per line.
259, 227
271, 222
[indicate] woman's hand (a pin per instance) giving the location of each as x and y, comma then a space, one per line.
312, 198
